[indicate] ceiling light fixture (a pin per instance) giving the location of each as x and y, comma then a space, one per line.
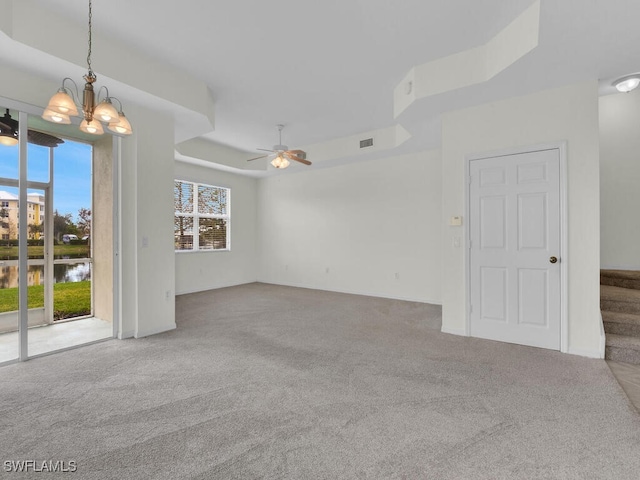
8, 130
280, 161
628, 83
63, 104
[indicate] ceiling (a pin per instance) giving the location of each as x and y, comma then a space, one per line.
328, 69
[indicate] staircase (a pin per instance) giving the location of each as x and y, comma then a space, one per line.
620, 307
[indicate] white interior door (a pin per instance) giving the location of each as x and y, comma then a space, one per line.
514, 221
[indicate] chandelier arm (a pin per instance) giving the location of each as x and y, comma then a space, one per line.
74, 95
98, 94
119, 102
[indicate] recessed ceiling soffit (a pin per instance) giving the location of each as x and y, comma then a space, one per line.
472, 66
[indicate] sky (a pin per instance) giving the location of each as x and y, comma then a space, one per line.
71, 176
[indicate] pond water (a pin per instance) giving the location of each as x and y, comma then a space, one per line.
61, 274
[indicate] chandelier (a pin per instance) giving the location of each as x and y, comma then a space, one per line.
64, 104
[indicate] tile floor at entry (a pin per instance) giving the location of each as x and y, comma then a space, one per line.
628, 377
49, 338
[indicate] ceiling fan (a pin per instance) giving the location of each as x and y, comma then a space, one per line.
283, 154
9, 134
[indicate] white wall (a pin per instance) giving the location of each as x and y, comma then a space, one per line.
196, 271
364, 222
620, 181
146, 212
570, 114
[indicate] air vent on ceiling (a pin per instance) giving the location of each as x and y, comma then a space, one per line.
366, 143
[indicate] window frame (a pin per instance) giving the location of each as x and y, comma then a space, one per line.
196, 216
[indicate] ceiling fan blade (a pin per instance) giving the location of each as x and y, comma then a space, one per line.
266, 150
298, 159
43, 139
256, 158
297, 152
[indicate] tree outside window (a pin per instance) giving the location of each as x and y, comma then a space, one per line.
201, 221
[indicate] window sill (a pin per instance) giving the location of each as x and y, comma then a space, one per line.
203, 251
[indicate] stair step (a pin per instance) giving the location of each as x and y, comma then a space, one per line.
619, 299
621, 278
621, 323
630, 330
622, 348
616, 317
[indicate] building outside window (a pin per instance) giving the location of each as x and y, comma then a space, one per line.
202, 217
10, 215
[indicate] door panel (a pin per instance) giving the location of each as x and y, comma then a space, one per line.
532, 221
493, 215
493, 299
514, 221
532, 296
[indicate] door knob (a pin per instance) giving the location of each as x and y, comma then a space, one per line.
553, 259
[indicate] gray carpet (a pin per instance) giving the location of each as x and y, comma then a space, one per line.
261, 381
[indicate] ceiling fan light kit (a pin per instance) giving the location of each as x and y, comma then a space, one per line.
63, 104
8, 130
282, 154
280, 162
9, 134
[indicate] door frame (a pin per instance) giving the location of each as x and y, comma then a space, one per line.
564, 228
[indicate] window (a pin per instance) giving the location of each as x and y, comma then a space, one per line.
203, 209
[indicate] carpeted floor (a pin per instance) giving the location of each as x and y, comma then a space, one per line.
262, 381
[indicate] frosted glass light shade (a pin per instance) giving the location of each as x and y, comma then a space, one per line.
8, 140
277, 162
94, 127
121, 126
280, 161
56, 117
627, 84
105, 111
62, 102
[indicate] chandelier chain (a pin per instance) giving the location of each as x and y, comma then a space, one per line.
89, 54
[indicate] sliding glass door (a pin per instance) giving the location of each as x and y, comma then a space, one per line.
46, 198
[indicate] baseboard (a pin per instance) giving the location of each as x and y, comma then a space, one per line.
585, 352
352, 292
454, 331
603, 338
155, 331
206, 289
127, 334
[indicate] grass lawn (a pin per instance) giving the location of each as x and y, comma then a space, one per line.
37, 251
69, 299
